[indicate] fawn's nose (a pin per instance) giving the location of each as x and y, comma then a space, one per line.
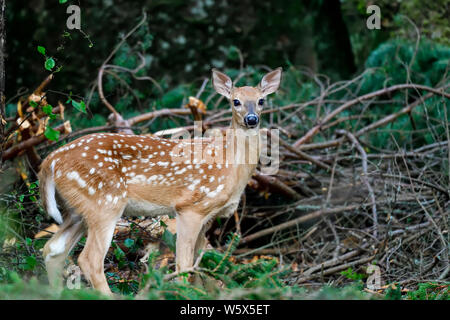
251, 120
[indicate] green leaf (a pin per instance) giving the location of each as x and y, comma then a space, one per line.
30, 263
41, 49
128, 242
33, 104
49, 64
80, 106
169, 239
162, 224
51, 134
119, 254
62, 1
47, 109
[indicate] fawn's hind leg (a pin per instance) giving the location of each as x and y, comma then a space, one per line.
99, 235
59, 246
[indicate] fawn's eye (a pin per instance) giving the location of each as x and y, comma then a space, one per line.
261, 102
236, 102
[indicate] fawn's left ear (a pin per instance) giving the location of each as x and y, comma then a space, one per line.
222, 83
271, 81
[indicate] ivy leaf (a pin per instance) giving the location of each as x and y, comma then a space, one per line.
41, 49
69, 98
49, 64
119, 254
47, 109
128, 242
169, 239
80, 106
30, 262
62, 1
162, 224
51, 134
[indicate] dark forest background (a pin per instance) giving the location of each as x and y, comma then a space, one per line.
185, 39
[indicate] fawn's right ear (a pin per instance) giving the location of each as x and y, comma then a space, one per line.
222, 83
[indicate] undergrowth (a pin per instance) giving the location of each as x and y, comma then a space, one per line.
218, 276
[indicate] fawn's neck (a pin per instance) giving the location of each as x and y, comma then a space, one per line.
247, 146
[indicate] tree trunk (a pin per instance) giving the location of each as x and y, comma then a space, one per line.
2, 59
333, 41
2, 76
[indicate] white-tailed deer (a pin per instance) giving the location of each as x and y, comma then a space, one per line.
100, 177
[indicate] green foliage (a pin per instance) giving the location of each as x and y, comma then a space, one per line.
51, 133
49, 64
349, 292
169, 239
13, 286
398, 61
221, 277
41, 50
393, 292
128, 242
353, 275
430, 291
80, 106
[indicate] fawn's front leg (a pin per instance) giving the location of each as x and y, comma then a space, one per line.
189, 231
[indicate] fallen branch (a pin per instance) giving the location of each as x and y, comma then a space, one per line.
336, 269
364, 178
314, 130
24, 145
272, 182
302, 219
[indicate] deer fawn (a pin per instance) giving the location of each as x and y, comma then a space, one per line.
100, 177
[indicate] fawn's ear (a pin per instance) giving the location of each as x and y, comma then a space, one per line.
271, 81
222, 83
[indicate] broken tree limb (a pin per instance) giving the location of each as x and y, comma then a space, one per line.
303, 155
364, 177
274, 183
158, 113
314, 130
336, 269
33, 141
291, 223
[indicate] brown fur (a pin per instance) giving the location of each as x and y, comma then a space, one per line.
101, 176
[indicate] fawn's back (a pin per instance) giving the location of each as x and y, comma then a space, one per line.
148, 175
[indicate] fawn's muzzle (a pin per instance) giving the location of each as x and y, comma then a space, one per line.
251, 120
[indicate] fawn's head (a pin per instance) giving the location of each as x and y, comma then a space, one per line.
246, 102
